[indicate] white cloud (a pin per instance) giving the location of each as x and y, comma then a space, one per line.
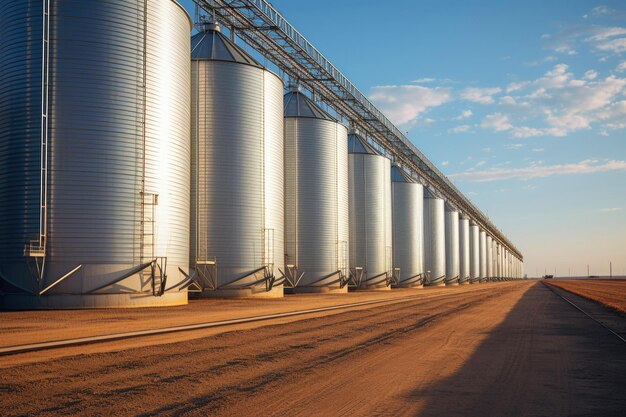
465, 114
497, 121
480, 95
445, 163
404, 103
609, 39
514, 146
537, 149
460, 129
423, 80
538, 170
611, 209
487, 149
558, 103
621, 67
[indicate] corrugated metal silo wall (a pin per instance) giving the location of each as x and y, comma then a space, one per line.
20, 134
434, 239
474, 252
316, 197
370, 214
96, 145
408, 229
464, 249
483, 255
489, 249
452, 246
238, 176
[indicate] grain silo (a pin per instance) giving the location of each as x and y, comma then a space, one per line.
370, 215
483, 256
489, 248
434, 239
464, 250
94, 153
237, 181
316, 197
474, 253
408, 229
453, 267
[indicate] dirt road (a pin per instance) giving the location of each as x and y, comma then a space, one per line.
518, 350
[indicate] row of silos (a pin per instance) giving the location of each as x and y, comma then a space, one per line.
122, 198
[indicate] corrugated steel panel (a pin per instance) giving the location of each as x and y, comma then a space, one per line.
370, 216
474, 252
316, 198
453, 267
238, 176
434, 239
464, 249
408, 229
96, 142
483, 255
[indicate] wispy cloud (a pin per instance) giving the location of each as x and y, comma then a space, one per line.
445, 163
465, 114
621, 67
540, 171
480, 95
460, 129
514, 146
537, 149
424, 80
611, 209
404, 103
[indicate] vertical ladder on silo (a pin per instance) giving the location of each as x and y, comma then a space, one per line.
36, 249
268, 258
156, 272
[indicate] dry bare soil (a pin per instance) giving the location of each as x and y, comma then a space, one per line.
509, 349
610, 293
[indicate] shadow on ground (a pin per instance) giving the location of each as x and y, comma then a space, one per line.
544, 359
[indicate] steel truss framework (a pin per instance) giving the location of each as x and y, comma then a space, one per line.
262, 27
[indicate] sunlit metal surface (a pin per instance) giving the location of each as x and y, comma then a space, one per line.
453, 267
474, 252
237, 170
101, 155
370, 213
434, 239
408, 228
464, 250
316, 193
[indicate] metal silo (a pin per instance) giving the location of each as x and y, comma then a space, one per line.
489, 249
94, 153
434, 239
408, 229
316, 197
464, 250
474, 253
237, 199
483, 256
370, 215
453, 267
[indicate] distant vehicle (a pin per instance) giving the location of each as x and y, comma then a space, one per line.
548, 276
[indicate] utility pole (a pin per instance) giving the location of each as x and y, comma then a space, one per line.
588, 271
611, 269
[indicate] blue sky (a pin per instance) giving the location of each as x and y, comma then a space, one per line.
522, 104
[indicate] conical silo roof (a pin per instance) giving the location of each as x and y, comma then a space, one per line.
210, 44
298, 104
356, 144
399, 175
